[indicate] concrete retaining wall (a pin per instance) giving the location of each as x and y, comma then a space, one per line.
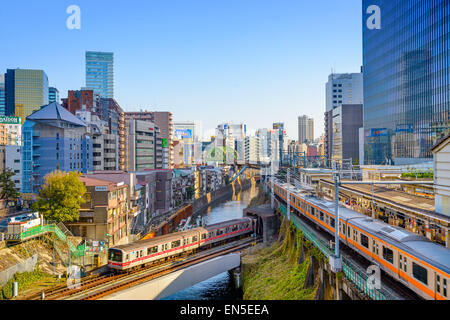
27, 265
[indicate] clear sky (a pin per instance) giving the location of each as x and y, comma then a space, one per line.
251, 61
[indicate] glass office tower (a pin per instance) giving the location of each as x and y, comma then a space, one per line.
26, 91
100, 73
2, 95
406, 79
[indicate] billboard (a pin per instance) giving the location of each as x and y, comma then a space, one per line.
383, 132
164, 143
183, 133
10, 120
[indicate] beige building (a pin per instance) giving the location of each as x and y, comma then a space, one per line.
441, 155
104, 215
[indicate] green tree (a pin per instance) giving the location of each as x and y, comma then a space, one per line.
61, 196
7, 186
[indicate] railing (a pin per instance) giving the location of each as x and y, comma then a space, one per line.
352, 272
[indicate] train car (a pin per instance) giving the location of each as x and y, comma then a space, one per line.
224, 231
129, 256
413, 260
141, 253
18, 224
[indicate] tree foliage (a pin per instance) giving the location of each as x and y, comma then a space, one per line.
7, 186
61, 196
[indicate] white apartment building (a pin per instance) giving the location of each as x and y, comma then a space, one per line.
344, 88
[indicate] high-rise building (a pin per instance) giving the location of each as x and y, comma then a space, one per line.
268, 144
346, 122
344, 88
53, 95
282, 137
305, 129
252, 147
144, 146
189, 132
164, 121
406, 57
53, 139
26, 91
2, 95
100, 73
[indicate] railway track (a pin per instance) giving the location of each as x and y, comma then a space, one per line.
99, 286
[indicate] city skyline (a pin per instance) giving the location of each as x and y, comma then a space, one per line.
221, 56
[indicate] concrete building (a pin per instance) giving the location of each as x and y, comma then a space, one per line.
104, 215
164, 121
305, 129
10, 131
344, 88
347, 120
26, 91
53, 139
252, 150
441, 154
268, 144
189, 132
105, 146
144, 146
100, 73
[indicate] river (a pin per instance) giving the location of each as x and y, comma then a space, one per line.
221, 286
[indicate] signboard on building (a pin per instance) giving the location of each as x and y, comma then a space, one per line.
164, 143
183, 133
101, 188
10, 120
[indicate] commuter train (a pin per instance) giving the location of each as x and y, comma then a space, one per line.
133, 255
413, 260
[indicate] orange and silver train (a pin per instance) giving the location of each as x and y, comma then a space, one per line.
413, 260
146, 252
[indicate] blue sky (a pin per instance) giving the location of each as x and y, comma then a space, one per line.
251, 61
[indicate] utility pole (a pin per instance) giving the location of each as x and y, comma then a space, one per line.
335, 261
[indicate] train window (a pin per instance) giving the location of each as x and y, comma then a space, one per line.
210, 235
445, 287
332, 222
184, 242
348, 229
313, 211
166, 246
203, 236
234, 228
115, 255
321, 215
388, 255
176, 244
400, 261
141, 253
365, 241
152, 250
128, 257
420, 273
220, 231
404, 265
375, 247
438, 283
195, 238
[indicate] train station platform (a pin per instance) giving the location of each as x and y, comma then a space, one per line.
412, 212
